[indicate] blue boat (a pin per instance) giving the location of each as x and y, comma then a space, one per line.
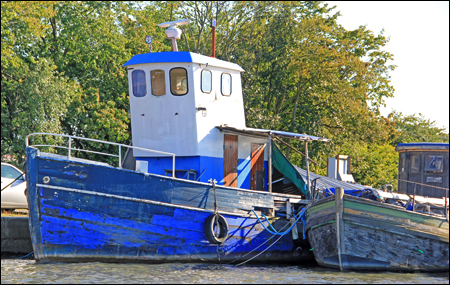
195, 185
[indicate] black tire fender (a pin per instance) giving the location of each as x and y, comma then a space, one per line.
209, 229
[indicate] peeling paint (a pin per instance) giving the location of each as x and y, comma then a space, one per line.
111, 218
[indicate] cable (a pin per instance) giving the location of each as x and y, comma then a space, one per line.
25, 255
300, 216
12, 182
273, 231
257, 246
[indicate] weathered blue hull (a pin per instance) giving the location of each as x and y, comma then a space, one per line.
82, 211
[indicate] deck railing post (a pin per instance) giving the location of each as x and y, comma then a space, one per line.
414, 197
446, 204
339, 198
270, 163
307, 169
173, 166
70, 146
120, 156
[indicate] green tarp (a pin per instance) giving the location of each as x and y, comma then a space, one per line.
283, 165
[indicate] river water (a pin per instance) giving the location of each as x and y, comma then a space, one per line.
28, 271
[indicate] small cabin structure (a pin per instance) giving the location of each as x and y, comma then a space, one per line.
423, 164
339, 168
189, 107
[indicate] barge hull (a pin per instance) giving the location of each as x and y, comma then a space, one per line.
360, 234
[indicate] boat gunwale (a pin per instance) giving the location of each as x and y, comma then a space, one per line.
273, 194
374, 203
147, 201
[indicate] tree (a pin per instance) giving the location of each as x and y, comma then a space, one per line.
375, 165
34, 97
304, 73
82, 43
416, 128
34, 94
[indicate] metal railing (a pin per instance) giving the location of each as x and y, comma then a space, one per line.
70, 148
432, 186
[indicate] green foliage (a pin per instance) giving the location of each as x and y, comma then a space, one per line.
34, 97
62, 72
69, 54
375, 165
416, 128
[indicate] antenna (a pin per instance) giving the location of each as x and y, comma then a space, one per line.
173, 33
148, 40
213, 25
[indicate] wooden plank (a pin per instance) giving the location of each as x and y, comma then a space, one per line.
372, 235
402, 252
320, 207
230, 160
399, 229
399, 213
256, 165
340, 234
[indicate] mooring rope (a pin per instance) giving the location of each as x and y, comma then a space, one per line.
256, 247
24, 256
303, 210
423, 184
12, 182
272, 230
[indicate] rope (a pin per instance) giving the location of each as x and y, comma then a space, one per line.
216, 219
215, 195
259, 253
12, 182
423, 184
304, 226
257, 246
299, 216
273, 231
25, 255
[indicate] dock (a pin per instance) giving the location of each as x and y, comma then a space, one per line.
16, 237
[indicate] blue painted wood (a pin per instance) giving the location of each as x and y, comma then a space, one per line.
211, 167
77, 226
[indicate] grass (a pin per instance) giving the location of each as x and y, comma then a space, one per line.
14, 213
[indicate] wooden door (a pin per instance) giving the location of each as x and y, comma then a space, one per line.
230, 160
257, 173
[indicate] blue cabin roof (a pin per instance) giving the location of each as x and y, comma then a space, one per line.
180, 56
422, 145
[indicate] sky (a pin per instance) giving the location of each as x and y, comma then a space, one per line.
419, 41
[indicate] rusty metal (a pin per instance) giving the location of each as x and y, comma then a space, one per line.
213, 38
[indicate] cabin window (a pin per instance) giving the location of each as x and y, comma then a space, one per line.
415, 163
139, 84
434, 163
226, 84
178, 81
206, 81
158, 82
403, 162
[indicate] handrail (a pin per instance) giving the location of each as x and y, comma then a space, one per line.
102, 153
78, 149
414, 197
